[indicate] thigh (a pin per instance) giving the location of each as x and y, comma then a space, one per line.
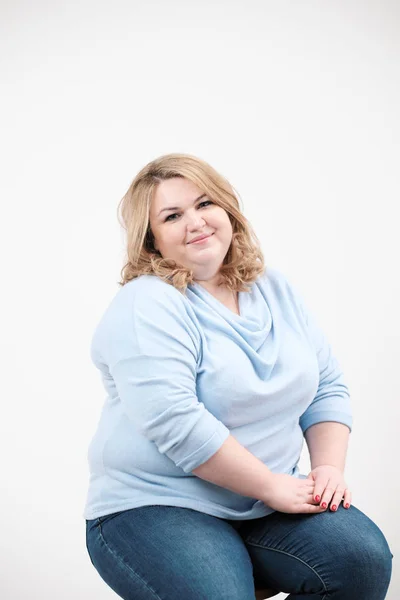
167, 552
341, 554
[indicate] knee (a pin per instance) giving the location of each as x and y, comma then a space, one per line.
367, 554
375, 552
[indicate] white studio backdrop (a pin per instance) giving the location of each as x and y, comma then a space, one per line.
297, 104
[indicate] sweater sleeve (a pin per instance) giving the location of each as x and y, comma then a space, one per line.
332, 400
153, 361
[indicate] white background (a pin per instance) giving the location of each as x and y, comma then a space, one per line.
297, 104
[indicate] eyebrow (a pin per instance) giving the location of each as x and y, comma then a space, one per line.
177, 207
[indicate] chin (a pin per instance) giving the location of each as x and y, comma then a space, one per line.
206, 270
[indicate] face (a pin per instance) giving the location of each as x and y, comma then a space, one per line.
180, 212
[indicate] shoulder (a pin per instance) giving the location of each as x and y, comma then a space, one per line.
148, 284
276, 283
149, 292
274, 278
147, 302
146, 298
144, 310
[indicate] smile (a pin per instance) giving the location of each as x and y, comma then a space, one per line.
203, 240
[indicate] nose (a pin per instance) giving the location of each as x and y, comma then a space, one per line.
194, 221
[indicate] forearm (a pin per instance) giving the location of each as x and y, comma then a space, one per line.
235, 468
327, 444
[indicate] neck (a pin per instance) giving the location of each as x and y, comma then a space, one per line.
219, 291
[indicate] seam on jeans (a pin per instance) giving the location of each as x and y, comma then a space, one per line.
125, 564
297, 558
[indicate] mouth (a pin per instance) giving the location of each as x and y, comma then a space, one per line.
201, 239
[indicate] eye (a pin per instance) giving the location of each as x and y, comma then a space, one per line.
172, 216
169, 217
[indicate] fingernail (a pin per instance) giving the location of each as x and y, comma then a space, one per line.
334, 507
347, 505
324, 505
317, 498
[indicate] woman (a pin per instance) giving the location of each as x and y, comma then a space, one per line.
215, 373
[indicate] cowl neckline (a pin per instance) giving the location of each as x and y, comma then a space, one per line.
254, 322
208, 297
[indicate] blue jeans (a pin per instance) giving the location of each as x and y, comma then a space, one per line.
171, 553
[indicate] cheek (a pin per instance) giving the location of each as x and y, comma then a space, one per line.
225, 225
172, 237
221, 219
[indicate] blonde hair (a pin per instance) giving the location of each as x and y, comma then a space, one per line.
244, 261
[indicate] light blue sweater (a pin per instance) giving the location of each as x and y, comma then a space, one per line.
182, 372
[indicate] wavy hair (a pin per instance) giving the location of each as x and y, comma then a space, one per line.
244, 261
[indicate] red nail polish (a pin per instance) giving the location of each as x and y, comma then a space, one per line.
323, 505
317, 498
347, 505
334, 507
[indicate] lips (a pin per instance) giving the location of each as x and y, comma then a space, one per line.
200, 237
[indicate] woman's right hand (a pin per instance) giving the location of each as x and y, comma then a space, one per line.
288, 494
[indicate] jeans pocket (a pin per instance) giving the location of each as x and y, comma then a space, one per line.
104, 518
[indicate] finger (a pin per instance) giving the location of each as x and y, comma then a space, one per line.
311, 508
309, 486
347, 498
336, 499
306, 487
327, 495
310, 498
319, 489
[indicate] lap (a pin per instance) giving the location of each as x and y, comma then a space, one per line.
325, 551
167, 552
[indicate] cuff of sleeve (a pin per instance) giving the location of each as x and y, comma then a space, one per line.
206, 451
322, 416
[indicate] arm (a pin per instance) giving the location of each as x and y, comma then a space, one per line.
236, 469
326, 424
327, 444
152, 351
327, 421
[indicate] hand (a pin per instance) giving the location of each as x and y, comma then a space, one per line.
291, 495
329, 487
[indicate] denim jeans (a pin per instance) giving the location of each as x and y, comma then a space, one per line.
171, 553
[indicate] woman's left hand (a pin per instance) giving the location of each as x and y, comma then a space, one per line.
330, 487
